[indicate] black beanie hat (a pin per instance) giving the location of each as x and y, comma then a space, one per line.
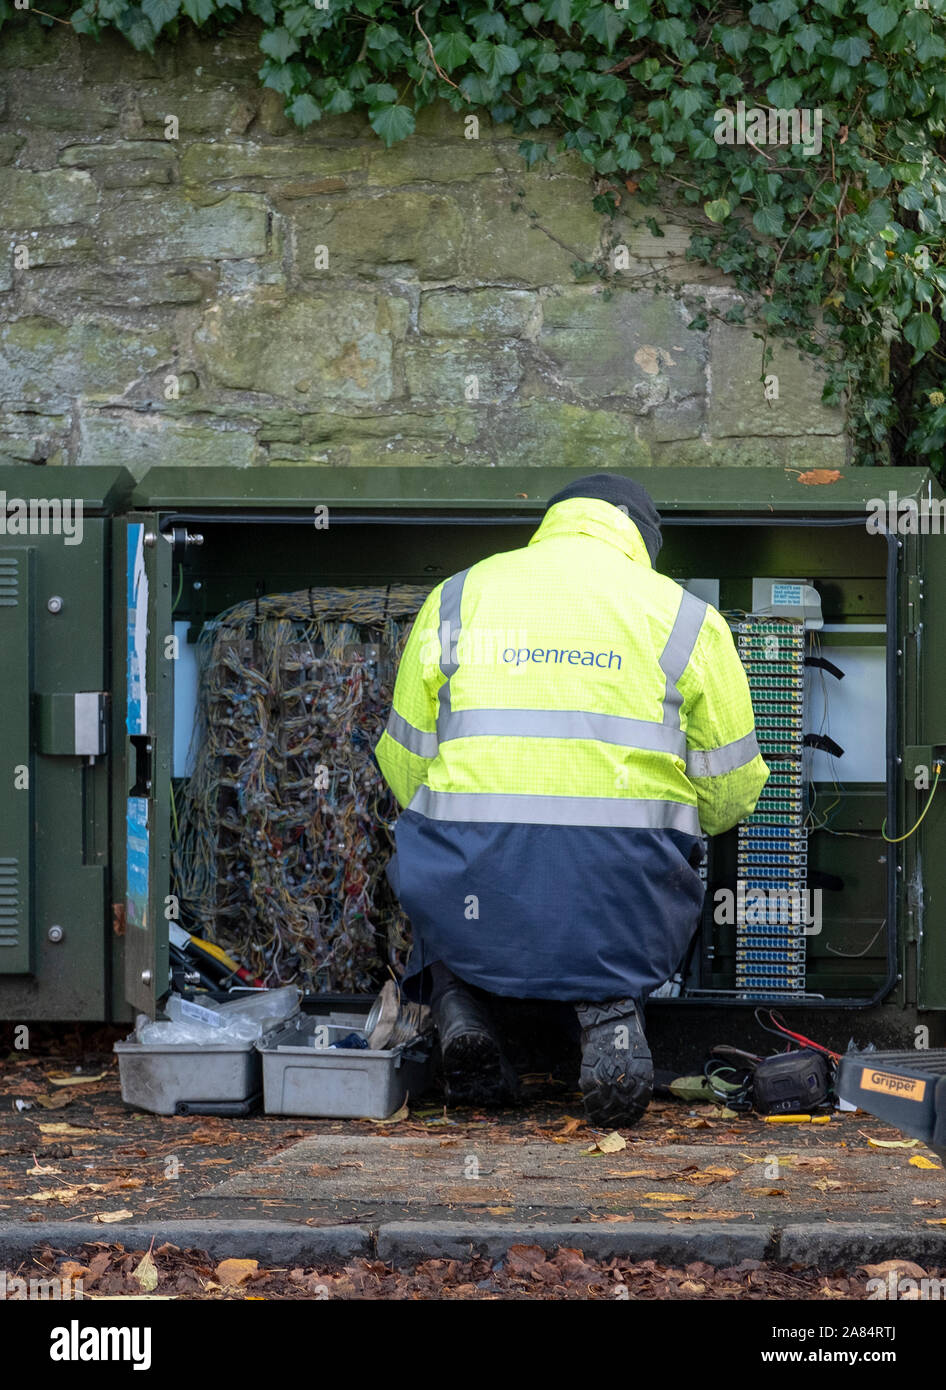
623, 493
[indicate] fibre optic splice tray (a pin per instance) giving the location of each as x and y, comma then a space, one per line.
907, 1089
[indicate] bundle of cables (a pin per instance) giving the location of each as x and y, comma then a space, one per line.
284, 828
794, 1081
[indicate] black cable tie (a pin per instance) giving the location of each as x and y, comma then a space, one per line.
824, 664
824, 743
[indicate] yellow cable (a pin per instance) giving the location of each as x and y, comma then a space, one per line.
895, 839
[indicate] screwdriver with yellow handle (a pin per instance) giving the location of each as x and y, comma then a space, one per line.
797, 1119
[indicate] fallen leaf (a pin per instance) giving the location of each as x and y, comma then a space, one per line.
666, 1197
828, 1185
70, 1269
232, 1273
919, 1161
62, 1127
41, 1170
61, 1079
893, 1143
54, 1102
59, 1194
611, 1144
500, 1211
397, 1117
767, 1191
632, 1173
121, 1184
146, 1272
901, 1267
814, 476
109, 1216
936, 1221
925, 1202
691, 1286
702, 1215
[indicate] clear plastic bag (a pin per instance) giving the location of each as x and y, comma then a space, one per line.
243, 1019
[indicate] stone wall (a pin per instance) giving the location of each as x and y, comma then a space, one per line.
248, 293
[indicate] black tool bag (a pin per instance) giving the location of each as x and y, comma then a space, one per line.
790, 1083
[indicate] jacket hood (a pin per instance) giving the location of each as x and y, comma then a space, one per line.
588, 516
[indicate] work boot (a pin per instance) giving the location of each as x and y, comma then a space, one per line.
475, 1068
617, 1071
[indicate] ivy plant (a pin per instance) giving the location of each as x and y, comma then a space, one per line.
803, 140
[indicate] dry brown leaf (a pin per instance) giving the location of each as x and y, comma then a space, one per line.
500, 1211
925, 1202
920, 1161
815, 476
109, 1216
905, 1268
146, 1272
396, 1118
828, 1185
70, 1269
54, 1102
767, 1191
59, 1194
41, 1170
120, 1184
61, 1127
692, 1286
893, 1143
64, 1079
232, 1273
611, 1143
666, 1197
703, 1215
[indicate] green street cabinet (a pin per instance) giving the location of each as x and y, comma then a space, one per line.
97, 708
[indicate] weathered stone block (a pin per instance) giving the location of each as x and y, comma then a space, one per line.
137, 286
324, 347
172, 227
486, 313
553, 432
49, 198
207, 163
221, 109
417, 234
97, 156
629, 344
535, 239
32, 438
421, 161
42, 359
50, 247
738, 404
139, 440
55, 104
10, 146
451, 374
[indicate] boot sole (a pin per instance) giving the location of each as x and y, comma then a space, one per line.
476, 1073
616, 1086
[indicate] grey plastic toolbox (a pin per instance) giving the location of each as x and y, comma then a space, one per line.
183, 1078
304, 1075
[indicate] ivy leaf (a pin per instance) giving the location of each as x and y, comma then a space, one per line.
496, 59
852, 51
559, 12
304, 110
736, 41
717, 210
198, 10
342, 100
451, 49
784, 93
922, 333
138, 29
533, 151
807, 38
392, 123
769, 221
604, 23
161, 12
275, 43
882, 19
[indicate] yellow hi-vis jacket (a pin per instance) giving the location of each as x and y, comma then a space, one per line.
566, 723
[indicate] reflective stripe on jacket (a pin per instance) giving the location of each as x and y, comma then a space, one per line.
565, 724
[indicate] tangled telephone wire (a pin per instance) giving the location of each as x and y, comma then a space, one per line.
285, 826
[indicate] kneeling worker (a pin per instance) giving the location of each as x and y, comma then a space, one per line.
566, 723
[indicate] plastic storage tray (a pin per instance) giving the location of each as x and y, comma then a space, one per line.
183, 1079
303, 1078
